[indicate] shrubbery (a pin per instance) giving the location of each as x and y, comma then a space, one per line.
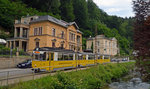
6, 51
92, 78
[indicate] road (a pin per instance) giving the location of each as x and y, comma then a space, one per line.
16, 75
13, 72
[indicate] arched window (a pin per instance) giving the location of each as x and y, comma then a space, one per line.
53, 32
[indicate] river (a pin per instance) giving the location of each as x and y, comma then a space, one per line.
130, 81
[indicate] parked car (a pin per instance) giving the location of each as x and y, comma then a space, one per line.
113, 60
25, 64
124, 59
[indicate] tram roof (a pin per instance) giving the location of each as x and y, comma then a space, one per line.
51, 49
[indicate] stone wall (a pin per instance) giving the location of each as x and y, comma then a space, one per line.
11, 62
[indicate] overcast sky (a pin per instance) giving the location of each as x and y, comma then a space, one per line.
122, 8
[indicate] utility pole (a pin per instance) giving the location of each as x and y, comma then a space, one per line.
95, 43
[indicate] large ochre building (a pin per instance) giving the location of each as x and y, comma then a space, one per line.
45, 31
104, 46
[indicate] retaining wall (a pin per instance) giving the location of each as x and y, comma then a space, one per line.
11, 62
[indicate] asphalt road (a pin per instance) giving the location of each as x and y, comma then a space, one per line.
14, 72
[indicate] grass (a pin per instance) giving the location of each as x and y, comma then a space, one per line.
93, 78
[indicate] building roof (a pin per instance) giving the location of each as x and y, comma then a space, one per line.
54, 20
2, 41
102, 36
53, 49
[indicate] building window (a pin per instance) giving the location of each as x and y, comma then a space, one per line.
71, 36
53, 32
24, 32
31, 19
78, 48
105, 43
109, 44
98, 43
35, 31
37, 44
78, 39
62, 34
40, 30
53, 44
98, 50
70, 47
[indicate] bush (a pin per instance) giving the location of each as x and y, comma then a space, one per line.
4, 50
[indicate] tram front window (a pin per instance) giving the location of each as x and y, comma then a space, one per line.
41, 57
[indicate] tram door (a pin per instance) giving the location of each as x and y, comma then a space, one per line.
80, 60
84, 60
51, 59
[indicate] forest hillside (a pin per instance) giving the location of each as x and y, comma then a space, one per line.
84, 12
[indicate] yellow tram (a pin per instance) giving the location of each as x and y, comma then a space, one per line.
51, 59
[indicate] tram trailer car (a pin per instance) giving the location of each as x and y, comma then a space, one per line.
52, 59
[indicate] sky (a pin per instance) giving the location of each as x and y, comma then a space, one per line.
122, 8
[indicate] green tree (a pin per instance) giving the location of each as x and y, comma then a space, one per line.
67, 10
93, 10
51, 6
81, 12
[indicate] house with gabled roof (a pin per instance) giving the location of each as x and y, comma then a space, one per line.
45, 31
103, 46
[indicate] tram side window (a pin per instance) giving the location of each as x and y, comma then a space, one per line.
70, 57
65, 57
91, 57
80, 57
60, 56
106, 57
99, 57
84, 57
